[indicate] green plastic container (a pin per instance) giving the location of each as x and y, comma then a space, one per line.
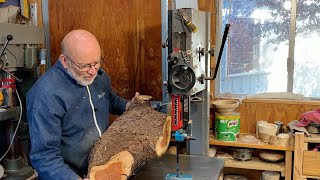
227, 127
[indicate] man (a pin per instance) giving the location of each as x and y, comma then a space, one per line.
68, 109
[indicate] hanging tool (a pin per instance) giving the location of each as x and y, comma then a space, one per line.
192, 27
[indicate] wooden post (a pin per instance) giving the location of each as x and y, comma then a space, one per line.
288, 168
298, 155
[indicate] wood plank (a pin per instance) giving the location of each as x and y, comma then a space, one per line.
213, 141
254, 163
130, 36
129, 33
288, 165
304, 102
284, 101
250, 113
298, 156
311, 161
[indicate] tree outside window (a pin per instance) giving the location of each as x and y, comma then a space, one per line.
255, 58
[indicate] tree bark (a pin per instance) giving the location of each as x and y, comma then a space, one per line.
140, 134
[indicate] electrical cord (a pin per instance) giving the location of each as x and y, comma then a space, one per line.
15, 132
93, 112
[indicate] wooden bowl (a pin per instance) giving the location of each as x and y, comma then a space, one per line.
271, 156
225, 106
268, 128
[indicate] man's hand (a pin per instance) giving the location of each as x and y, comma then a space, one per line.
133, 100
136, 95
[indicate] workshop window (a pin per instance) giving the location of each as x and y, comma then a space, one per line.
260, 50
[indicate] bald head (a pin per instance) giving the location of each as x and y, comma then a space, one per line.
82, 46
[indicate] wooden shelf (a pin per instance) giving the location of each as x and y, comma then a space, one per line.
254, 163
314, 138
307, 101
213, 141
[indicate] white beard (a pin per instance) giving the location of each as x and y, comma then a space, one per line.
80, 80
84, 82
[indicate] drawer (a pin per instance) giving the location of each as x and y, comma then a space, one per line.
311, 163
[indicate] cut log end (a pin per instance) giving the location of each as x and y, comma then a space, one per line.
117, 168
164, 140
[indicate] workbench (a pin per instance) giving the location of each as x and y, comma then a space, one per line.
200, 167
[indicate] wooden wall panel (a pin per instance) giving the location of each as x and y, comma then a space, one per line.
129, 33
130, 36
272, 110
148, 48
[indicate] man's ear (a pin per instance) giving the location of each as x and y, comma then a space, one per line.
63, 61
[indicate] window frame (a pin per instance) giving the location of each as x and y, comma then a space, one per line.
290, 58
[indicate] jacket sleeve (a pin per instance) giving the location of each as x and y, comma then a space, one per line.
117, 104
45, 133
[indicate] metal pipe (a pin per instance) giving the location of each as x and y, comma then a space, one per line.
164, 39
45, 17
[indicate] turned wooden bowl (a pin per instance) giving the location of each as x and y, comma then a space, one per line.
268, 128
225, 106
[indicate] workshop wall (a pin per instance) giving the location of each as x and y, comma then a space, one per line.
130, 36
252, 110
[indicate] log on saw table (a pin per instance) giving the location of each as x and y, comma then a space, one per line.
140, 134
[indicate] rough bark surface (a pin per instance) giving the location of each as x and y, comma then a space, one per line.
141, 133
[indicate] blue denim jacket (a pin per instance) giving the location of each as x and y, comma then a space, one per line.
62, 129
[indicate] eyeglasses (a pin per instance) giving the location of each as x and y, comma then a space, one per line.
86, 67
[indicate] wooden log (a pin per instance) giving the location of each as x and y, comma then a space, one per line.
138, 135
